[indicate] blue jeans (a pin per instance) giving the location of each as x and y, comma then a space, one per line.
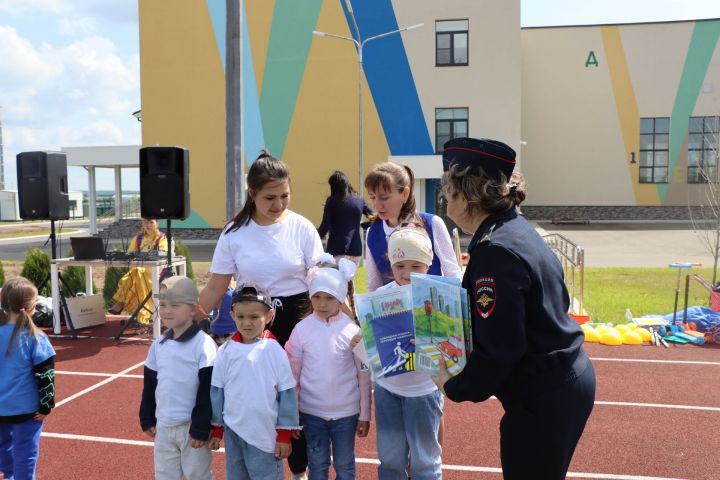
321, 435
245, 462
19, 449
408, 426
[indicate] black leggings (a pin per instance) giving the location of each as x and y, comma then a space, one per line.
288, 312
538, 434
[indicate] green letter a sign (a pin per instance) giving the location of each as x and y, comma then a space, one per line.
591, 60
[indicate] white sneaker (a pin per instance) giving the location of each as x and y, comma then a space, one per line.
299, 476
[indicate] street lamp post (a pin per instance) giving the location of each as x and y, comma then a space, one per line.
359, 44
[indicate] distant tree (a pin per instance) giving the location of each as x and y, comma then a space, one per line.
705, 218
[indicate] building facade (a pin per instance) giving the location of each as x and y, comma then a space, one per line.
609, 121
620, 121
459, 74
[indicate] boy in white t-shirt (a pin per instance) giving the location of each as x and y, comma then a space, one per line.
175, 408
253, 392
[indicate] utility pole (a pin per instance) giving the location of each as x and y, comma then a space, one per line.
233, 107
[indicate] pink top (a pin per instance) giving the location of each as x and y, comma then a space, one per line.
331, 381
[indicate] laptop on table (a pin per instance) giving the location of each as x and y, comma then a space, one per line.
88, 248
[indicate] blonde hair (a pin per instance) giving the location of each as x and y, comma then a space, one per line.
390, 176
483, 193
17, 298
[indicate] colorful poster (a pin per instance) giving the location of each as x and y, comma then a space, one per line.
440, 307
387, 327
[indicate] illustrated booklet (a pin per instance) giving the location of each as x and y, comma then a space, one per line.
386, 321
441, 317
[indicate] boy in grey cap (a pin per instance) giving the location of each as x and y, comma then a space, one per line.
175, 408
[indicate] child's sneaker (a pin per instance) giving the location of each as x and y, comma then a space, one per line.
299, 476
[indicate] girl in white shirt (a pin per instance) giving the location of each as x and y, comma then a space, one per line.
333, 385
270, 245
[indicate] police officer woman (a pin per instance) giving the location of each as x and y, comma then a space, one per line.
527, 350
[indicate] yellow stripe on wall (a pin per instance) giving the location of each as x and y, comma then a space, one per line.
628, 114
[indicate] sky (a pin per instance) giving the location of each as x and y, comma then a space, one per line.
70, 75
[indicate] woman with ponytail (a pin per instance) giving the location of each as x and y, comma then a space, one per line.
268, 244
27, 380
390, 188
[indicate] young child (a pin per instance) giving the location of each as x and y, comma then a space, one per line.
333, 387
175, 409
253, 392
27, 387
408, 407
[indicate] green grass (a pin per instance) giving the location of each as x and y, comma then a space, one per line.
609, 291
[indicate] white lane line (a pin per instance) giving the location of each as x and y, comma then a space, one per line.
645, 360
97, 385
95, 374
659, 405
371, 461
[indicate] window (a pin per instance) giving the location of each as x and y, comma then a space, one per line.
702, 149
654, 141
449, 123
451, 43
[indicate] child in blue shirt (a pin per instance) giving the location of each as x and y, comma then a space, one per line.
27, 380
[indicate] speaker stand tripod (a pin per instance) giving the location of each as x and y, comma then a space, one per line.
64, 309
166, 272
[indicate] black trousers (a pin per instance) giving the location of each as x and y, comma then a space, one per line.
539, 433
288, 312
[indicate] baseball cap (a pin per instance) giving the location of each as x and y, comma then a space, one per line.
251, 292
179, 289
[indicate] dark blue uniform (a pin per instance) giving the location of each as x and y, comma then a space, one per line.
527, 350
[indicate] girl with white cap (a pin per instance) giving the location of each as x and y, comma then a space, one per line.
333, 385
408, 407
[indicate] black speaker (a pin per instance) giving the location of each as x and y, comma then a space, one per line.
42, 186
164, 183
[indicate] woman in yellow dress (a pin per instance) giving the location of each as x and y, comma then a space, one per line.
134, 286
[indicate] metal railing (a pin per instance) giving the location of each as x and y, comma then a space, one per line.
130, 210
572, 259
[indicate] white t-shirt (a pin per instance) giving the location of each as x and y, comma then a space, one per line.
410, 384
328, 380
252, 375
276, 256
177, 365
442, 247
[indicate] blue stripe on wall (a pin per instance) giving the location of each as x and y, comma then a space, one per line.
388, 74
252, 128
217, 16
254, 140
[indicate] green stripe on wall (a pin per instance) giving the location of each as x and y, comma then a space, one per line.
288, 49
702, 45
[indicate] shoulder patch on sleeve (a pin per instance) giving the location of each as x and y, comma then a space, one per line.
485, 296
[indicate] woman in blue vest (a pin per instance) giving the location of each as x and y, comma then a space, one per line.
390, 189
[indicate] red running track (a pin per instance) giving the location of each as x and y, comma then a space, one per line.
657, 416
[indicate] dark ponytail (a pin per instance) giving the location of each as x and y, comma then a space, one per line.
265, 169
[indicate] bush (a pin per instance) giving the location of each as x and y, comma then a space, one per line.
74, 278
2, 274
112, 277
37, 269
182, 250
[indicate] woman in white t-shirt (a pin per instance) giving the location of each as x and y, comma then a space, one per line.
268, 244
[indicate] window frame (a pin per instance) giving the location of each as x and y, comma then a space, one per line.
452, 122
452, 34
654, 167
702, 179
